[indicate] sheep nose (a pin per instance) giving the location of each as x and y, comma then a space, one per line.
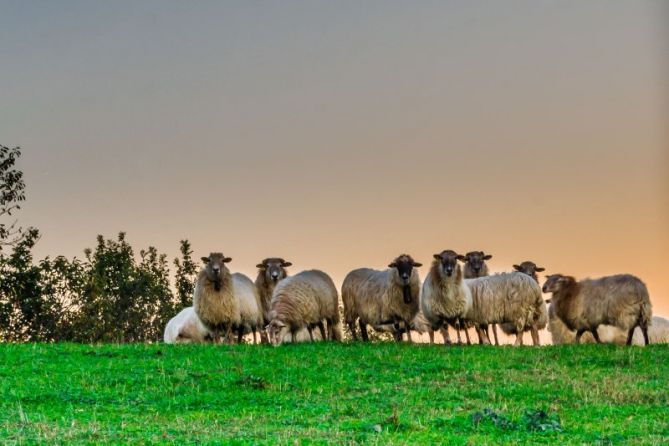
275, 275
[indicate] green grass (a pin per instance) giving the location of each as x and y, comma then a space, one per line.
326, 393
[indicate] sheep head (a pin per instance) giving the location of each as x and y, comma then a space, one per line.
276, 330
557, 282
214, 267
404, 265
529, 268
447, 262
274, 269
476, 260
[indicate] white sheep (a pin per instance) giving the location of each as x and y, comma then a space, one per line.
304, 300
445, 298
378, 298
186, 328
507, 297
531, 269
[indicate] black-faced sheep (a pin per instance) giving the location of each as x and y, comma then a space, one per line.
186, 328
507, 297
476, 266
445, 298
621, 300
378, 298
531, 269
304, 301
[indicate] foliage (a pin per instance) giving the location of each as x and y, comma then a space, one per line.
319, 393
12, 193
186, 274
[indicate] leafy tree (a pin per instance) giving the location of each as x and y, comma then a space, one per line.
186, 275
12, 193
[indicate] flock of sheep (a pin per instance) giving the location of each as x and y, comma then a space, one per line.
282, 308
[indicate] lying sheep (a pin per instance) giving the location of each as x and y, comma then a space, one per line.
531, 269
514, 298
304, 301
445, 297
621, 300
382, 297
186, 328
475, 267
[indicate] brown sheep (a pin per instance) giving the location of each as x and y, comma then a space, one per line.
621, 300
531, 269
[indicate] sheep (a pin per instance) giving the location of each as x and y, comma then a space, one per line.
475, 267
507, 297
186, 328
304, 301
531, 269
270, 271
445, 298
250, 307
213, 299
621, 300
382, 297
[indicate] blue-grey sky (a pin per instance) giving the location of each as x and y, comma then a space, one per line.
340, 134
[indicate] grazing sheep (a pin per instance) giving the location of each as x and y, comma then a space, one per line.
621, 300
382, 297
251, 316
304, 301
531, 269
475, 267
270, 272
445, 297
186, 328
507, 297
214, 298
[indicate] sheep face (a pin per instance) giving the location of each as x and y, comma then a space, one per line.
404, 265
276, 330
448, 262
556, 283
529, 268
476, 260
274, 269
214, 268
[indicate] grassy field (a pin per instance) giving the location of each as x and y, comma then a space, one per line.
325, 393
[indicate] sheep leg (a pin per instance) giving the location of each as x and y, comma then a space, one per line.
311, 334
430, 333
494, 332
445, 335
351, 327
644, 330
293, 335
321, 327
254, 336
406, 324
535, 335
457, 331
519, 339
483, 338
240, 334
363, 331
579, 333
469, 342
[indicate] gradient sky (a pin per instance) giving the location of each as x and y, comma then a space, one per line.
341, 134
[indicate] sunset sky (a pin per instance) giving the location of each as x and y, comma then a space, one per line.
341, 134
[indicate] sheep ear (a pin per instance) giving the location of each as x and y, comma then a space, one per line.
392, 265
286, 264
437, 256
462, 258
540, 269
260, 265
487, 257
516, 267
227, 259
417, 265
205, 260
